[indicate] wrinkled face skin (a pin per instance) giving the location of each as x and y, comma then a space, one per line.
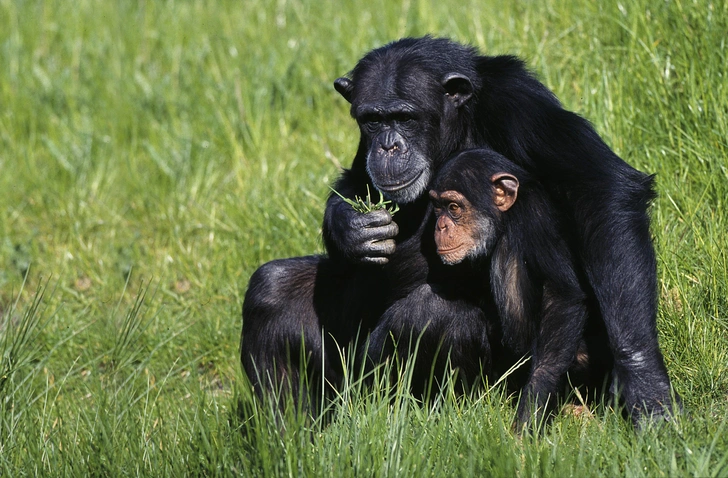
396, 162
461, 230
405, 116
395, 127
464, 231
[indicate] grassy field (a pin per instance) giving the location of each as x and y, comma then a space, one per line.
154, 153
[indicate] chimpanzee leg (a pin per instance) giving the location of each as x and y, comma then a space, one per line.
560, 333
442, 331
281, 329
286, 329
620, 262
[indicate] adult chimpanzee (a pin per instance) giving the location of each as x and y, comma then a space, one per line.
493, 216
417, 101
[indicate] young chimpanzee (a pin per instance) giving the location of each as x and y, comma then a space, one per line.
492, 215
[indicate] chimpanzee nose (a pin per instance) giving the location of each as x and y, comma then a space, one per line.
441, 223
390, 141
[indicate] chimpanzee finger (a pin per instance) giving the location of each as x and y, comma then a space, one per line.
379, 242
375, 260
381, 248
378, 218
381, 233
374, 245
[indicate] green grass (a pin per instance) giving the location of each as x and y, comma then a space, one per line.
154, 154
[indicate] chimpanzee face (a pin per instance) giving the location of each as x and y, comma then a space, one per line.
468, 212
397, 160
405, 116
460, 230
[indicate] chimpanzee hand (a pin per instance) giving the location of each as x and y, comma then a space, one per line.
366, 238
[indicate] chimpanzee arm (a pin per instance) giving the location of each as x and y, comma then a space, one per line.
352, 236
436, 331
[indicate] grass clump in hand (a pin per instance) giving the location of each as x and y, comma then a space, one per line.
367, 206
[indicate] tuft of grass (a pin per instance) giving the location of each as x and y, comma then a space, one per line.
365, 206
19, 335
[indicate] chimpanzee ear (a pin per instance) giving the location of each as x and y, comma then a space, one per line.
458, 88
345, 87
505, 190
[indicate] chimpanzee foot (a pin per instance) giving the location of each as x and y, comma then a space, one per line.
648, 398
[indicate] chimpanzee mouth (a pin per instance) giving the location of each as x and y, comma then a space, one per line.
452, 256
444, 252
398, 186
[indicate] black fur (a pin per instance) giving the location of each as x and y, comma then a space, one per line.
459, 100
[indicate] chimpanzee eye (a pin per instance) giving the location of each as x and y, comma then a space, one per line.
454, 209
370, 119
403, 118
